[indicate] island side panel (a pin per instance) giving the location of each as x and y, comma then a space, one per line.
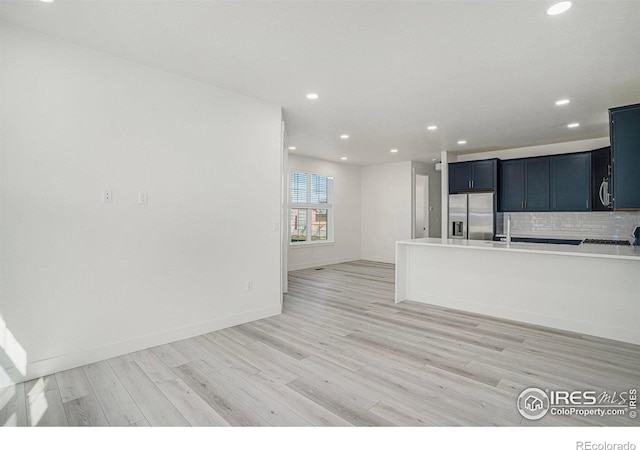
595, 296
402, 272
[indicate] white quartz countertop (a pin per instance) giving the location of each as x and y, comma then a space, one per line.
582, 250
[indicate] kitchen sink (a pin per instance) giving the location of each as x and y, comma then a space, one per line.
546, 241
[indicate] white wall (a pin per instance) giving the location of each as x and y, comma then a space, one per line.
81, 280
386, 209
346, 201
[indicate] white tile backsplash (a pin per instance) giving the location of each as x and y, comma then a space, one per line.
571, 225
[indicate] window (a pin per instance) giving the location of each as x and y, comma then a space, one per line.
311, 208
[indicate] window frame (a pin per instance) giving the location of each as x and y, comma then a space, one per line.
309, 206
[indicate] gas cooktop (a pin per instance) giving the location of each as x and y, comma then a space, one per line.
606, 241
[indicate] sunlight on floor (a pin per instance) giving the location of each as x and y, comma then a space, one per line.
12, 348
37, 399
6, 397
12, 421
13, 365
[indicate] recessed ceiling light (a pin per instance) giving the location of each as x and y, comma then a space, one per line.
46, 1
558, 8
462, 142
573, 125
312, 96
292, 148
394, 150
344, 158
432, 128
344, 136
565, 101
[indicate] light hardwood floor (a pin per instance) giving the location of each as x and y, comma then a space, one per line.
341, 354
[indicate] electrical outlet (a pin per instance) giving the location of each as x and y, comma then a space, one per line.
250, 285
107, 197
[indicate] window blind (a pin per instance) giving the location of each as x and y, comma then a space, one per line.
319, 190
298, 187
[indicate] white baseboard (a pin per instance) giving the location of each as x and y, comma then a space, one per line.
319, 263
381, 259
55, 364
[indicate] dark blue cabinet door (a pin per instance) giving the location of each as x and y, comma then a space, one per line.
473, 176
625, 155
571, 182
536, 184
459, 177
483, 175
511, 190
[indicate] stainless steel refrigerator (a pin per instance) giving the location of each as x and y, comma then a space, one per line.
471, 216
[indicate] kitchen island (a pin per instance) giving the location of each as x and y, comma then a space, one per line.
588, 289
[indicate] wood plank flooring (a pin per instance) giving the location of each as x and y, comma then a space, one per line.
341, 354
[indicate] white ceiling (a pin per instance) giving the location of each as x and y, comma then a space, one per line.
485, 71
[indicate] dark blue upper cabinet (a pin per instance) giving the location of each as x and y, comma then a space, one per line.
537, 184
625, 156
571, 182
483, 174
524, 184
511, 191
459, 177
473, 176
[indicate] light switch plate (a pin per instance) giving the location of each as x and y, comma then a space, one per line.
143, 197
